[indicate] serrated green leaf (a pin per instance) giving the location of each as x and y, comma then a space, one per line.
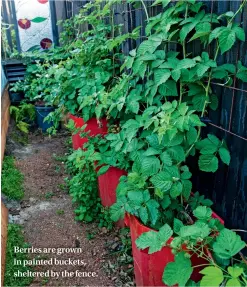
185, 30
187, 187
152, 206
203, 213
208, 163
227, 39
214, 102
166, 159
154, 240
151, 151
166, 201
161, 76
176, 153
239, 33
225, 155
213, 276
150, 165
169, 88
209, 149
177, 224
228, 244
162, 180
178, 272
176, 189
143, 213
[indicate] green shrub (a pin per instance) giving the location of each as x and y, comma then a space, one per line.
12, 179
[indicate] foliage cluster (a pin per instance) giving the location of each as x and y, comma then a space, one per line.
23, 116
12, 179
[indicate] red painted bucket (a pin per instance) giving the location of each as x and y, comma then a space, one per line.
149, 268
92, 126
108, 183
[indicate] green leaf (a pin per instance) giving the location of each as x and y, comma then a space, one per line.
166, 159
185, 30
152, 206
199, 102
169, 88
150, 165
214, 102
177, 225
185, 64
149, 46
117, 210
38, 19
165, 201
176, 189
162, 180
239, 33
227, 39
161, 76
228, 244
178, 272
187, 187
203, 213
233, 283
209, 149
164, 2
154, 240
103, 170
215, 33
177, 153
143, 213
213, 276
214, 140
151, 151
208, 163
225, 155
235, 271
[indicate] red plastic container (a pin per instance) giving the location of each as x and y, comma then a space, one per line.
149, 268
92, 126
108, 183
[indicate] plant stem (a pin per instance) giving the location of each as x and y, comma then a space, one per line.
239, 9
145, 9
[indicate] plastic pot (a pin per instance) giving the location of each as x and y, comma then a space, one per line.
93, 128
41, 113
149, 268
108, 183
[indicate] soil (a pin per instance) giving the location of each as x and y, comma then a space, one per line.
47, 216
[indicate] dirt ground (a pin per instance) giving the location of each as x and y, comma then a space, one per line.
47, 216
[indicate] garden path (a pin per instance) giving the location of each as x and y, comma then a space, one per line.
47, 216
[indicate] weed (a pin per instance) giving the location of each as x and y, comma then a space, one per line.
57, 169
49, 195
60, 212
15, 238
12, 179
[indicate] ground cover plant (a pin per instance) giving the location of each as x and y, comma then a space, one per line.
15, 238
12, 179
